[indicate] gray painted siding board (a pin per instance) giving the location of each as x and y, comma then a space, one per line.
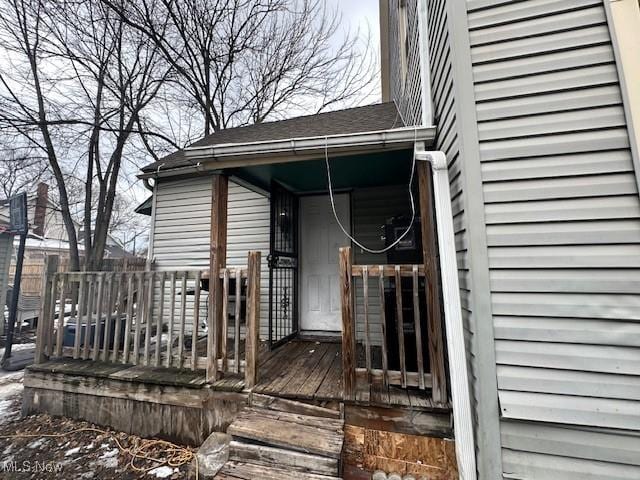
573, 233
566, 281
580, 357
561, 187
553, 102
571, 442
568, 330
557, 81
575, 410
553, 166
553, 123
566, 382
556, 42
518, 11
576, 305
520, 465
537, 26
600, 208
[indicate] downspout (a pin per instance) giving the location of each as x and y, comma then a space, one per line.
463, 424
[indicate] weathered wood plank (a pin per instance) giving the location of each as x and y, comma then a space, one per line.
148, 315
400, 328
52, 313
196, 322
383, 324
367, 339
217, 260
225, 319
119, 308
128, 323
159, 319
247, 471
172, 313
140, 307
99, 307
429, 251
348, 324
90, 315
80, 313
108, 317
236, 325
319, 372
387, 270
291, 406
288, 434
418, 327
183, 319
296, 462
252, 339
63, 301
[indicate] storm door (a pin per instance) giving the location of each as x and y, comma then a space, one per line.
283, 266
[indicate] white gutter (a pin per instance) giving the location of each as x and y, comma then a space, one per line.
425, 75
212, 157
463, 425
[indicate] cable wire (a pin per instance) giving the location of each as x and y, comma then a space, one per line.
333, 205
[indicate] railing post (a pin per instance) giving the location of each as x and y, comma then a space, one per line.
217, 260
45, 318
429, 251
252, 334
348, 325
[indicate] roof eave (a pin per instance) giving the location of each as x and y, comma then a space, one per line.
217, 157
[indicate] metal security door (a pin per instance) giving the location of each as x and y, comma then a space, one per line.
283, 266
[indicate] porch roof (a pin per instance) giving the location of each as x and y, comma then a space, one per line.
344, 132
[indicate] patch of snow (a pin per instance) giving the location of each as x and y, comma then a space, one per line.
163, 472
110, 453
71, 451
88, 447
37, 443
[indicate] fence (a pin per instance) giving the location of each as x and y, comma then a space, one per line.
160, 319
400, 355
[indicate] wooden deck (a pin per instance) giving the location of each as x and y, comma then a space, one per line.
304, 370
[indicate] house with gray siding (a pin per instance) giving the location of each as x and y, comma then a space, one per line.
455, 268
535, 104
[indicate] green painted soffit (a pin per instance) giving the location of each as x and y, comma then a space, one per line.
372, 170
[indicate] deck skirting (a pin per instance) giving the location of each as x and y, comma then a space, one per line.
176, 413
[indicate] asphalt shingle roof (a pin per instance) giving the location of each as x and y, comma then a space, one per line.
369, 118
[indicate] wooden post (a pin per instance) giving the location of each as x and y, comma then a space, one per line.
348, 325
42, 330
217, 260
429, 251
252, 335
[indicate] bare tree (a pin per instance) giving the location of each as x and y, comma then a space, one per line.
77, 88
243, 61
22, 167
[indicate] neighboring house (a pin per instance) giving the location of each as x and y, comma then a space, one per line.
6, 244
537, 109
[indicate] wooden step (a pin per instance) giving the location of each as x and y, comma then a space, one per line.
283, 458
301, 433
248, 471
292, 406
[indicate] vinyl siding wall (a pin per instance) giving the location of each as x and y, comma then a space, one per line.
181, 230
563, 233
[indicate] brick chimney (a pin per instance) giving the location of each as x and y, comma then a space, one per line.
40, 214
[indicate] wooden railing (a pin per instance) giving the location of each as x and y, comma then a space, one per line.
388, 288
155, 318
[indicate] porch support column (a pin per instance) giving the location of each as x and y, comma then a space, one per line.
348, 325
434, 308
217, 260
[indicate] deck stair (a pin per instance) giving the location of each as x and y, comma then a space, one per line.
272, 444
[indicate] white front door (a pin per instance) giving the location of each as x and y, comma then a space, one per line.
320, 239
